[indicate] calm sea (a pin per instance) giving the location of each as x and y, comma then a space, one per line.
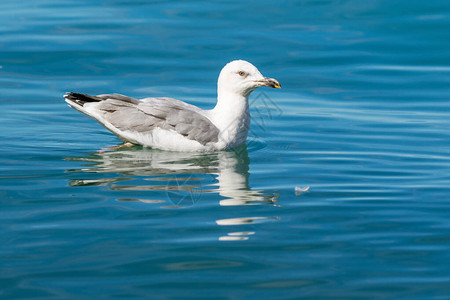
362, 119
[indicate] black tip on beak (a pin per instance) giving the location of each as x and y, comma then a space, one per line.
273, 83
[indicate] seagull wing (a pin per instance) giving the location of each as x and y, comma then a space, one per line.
141, 116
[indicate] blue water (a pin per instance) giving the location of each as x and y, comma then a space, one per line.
362, 119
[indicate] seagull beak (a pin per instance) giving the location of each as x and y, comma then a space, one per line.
269, 82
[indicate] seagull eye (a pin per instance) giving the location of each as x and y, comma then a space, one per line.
242, 73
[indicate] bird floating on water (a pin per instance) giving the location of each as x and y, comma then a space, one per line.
171, 124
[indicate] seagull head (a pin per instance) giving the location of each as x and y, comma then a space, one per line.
241, 77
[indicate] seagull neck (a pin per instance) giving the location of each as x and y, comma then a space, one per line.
232, 117
231, 106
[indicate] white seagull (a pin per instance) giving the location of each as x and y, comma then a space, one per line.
171, 124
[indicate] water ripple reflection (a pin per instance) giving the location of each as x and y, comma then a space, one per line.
179, 179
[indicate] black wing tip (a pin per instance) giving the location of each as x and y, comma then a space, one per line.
81, 99
70, 96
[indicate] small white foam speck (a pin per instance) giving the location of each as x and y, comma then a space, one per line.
299, 190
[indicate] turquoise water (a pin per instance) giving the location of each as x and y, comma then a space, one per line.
362, 120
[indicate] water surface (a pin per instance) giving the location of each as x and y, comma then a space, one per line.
362, 120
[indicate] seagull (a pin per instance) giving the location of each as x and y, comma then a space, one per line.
170, 124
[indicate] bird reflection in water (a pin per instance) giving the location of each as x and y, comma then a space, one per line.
184, 177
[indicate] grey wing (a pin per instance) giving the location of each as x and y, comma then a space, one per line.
166, 113
118, 97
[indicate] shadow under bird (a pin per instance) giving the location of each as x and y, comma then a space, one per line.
171, 124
